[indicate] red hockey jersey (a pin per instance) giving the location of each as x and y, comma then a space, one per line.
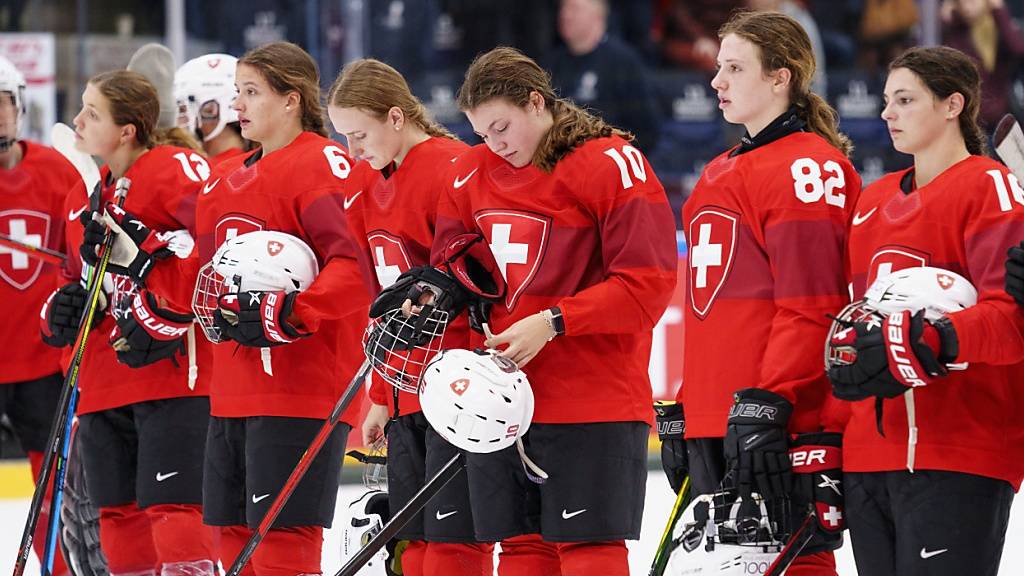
32, 211
596, 238
766, 234
392, 220
165, 181
297, 190
969, 421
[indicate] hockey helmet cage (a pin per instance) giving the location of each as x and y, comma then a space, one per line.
477, 400
264, 260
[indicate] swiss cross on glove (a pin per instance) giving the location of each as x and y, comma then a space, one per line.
817, 460
757, 443
257, 318
891, 356
135, 245
148, 333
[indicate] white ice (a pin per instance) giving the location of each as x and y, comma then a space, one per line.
659, 501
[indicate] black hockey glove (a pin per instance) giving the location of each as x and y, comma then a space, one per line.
892, 356
62, 314
818, 480
135, 247
671, 427
148, 333
258, 319
757, 443
1015, 273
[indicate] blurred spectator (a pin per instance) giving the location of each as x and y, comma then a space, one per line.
798, 11
984, 30
688, 31
602, 72
885, 31
10, 14
838, 22
631, 21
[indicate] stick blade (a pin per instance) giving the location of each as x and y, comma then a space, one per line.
63, 138
1009, 141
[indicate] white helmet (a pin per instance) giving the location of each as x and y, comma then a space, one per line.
13, 81
261, 260
934, 290
366, 517
478, 401
204, 87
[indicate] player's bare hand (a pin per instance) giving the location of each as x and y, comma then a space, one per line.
522, 340
373, 424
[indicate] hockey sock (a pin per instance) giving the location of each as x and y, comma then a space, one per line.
585, 558
413, 558
290, 551
232, 540
35, 462
820, 564
442, 559
529, 555
126, 539
179, 534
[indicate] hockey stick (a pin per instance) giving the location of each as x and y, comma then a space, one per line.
794, 547
354, 387
450, 470
68, 398
665, 547
37, 252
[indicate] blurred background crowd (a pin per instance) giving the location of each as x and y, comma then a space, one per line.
645, 65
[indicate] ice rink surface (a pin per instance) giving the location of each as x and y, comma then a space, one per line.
659, 502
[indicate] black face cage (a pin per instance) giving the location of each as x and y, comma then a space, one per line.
725, 518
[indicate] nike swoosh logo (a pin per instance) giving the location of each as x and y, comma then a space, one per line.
566, 514
349, 200
459, 182
445, 515
858, 219
256, 499
210, 186
74, 214
925, 554
161, 477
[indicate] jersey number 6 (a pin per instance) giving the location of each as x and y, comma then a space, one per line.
810, 186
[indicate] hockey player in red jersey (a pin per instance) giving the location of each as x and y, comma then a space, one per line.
582, 232
391, 207
204, 88
765, 226
34, 181
275, 381
931, 473
142, 420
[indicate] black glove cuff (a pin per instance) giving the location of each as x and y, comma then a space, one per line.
669, 417
759, 406
949, 347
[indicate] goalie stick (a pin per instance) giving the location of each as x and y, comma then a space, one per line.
450, 470
54, 460
37, 252
63, 138
1009, 142
354, 387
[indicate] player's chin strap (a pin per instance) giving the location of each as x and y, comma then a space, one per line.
533, 472
7, 143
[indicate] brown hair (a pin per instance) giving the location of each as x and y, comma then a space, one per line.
175, 136
132, 100
783, 43
287, 67
374, 87
946, 71
509, 74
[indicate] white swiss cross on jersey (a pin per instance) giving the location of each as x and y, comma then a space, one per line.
712, 239
518, 240
891, 259
390, 258
236, 225
29, 227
